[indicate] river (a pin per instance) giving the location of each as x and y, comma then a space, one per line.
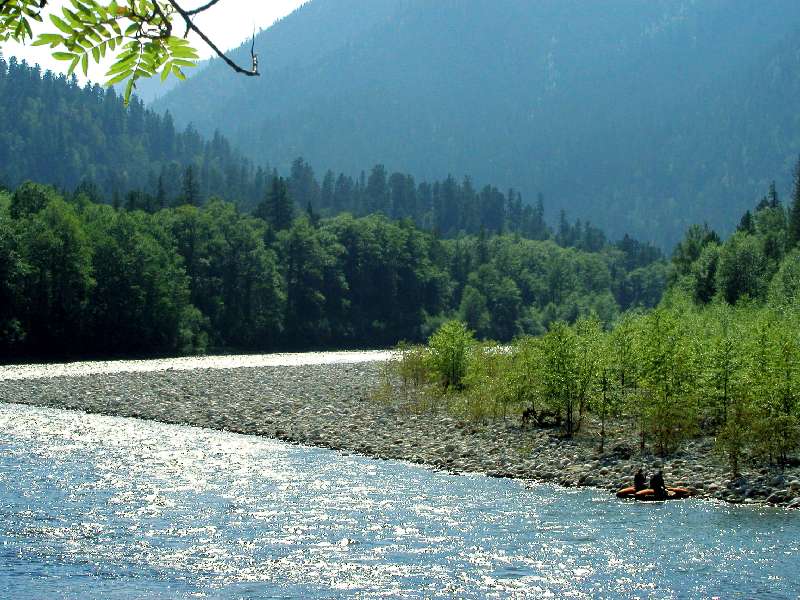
105, 507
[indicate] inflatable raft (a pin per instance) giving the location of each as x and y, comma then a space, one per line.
649, 495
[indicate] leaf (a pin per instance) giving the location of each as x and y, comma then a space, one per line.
63, 56
73, 65
129, 90
119, 78
185, 53
61, 25
53, 39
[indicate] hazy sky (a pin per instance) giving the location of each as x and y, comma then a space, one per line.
227, 24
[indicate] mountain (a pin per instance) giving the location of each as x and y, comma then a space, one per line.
58, 132
642, 116
84, 139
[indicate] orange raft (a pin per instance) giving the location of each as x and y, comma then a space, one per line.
649, 495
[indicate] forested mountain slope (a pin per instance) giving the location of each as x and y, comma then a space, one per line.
56, 131
640, 115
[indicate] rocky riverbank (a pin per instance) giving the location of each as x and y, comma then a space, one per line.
331, 405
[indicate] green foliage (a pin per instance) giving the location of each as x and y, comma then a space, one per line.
58, 279
704, 274
233, 275
723, 355
666, 377
189, 278
486, 380
381, 280
674, 372
84, 138
450, 353
690, 248
560, 372
473, 311
793, 229
734, 436
412, 366
277, 209
29, 199
138, 34
722, 364
141, 296
742, 268
16, 17
784, 290
521, 374
570, 358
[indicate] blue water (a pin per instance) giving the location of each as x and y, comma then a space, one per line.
100, 507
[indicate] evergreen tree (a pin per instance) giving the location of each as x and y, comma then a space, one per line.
772, 196
473, 311
794, 211
313, 218
191, 193
161, 193
538, 227
377, 192
747, 224
277, 209
302, 184
326, 200
565, 236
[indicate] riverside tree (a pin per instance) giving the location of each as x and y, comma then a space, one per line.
559, 372
449, 356
722, 365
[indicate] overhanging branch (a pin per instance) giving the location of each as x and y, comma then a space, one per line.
190, 26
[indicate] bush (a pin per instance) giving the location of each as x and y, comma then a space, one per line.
411, 366
486, 382
449, 353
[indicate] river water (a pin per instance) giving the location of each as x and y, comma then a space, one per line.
104, 507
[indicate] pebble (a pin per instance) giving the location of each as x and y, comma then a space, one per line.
330, 405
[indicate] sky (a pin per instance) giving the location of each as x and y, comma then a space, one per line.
227, 24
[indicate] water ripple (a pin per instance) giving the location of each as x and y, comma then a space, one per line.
103, 507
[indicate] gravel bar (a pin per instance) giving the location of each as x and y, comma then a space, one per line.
325, 400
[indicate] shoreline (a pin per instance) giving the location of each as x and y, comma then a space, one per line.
329, 404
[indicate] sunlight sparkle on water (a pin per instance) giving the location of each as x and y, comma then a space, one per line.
130, 509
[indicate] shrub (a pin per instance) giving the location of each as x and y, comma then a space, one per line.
449, 352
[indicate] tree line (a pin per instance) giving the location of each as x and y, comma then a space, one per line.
718, 356
83, 278
54, 131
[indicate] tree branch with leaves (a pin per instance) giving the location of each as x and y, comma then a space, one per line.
138, 34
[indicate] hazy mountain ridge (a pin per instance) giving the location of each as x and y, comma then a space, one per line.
636, 115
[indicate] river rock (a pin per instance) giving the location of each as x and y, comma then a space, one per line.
332, 406
776, 498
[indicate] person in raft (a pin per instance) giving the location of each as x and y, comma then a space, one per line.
639, 480
657, 485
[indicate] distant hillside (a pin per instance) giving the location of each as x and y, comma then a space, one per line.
55, 131
640, 115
